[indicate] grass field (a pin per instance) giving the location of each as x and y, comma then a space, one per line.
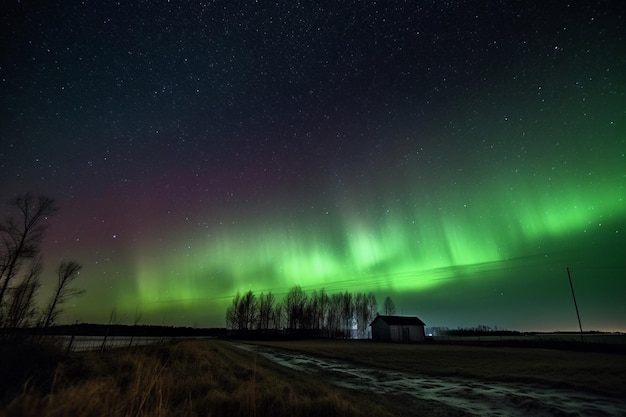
190, 378
214, 378
588, 371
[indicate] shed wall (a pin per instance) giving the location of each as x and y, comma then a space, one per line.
380, 331
406, 333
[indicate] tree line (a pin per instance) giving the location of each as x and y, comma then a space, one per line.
21, 234
479, 330
332, 315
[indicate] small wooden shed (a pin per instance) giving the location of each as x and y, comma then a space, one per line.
402, 329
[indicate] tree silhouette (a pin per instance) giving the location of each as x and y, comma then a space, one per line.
365, 311
323, 303
21, 309
266, 305
231, 312
248, 310
242, 314
278, 316
347, 313
295, 301
333, 315
66, 275
389, 308
21, 234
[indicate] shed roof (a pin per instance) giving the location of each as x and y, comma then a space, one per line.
400, 320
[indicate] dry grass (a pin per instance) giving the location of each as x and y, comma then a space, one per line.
195, 378
591, 371
212, 378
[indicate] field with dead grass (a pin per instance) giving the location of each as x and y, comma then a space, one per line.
190, 378
215, 378
587, 371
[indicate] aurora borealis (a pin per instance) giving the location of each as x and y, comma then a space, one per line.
454, 156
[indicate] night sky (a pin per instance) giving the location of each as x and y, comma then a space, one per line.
456, 156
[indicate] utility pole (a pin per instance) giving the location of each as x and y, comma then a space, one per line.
575, 305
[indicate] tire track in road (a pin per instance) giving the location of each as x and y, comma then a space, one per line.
481, 398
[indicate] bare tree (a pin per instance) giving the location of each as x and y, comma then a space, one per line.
21, 298
278, 316
365, 306
373, 305
266, 304
295, 301
313, 311
66, 275
334, 318
249, 310
21, 234
389, 308
323, 303
348, 313
231, 312
362, 313
242, 314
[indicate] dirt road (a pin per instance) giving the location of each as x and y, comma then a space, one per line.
471, 397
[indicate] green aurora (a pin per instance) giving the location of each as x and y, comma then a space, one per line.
455, 157
524, 224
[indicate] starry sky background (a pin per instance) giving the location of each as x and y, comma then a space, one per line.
456, 156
